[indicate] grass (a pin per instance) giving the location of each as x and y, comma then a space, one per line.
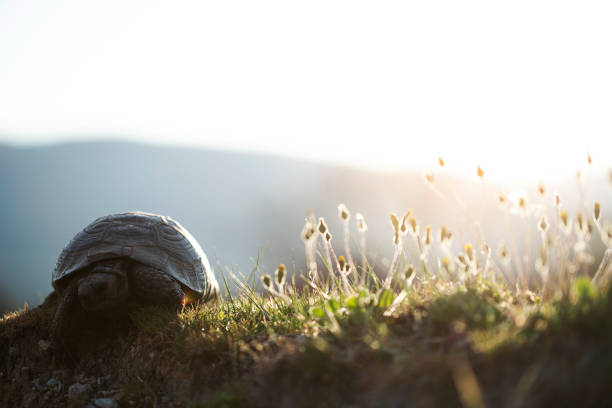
445, 323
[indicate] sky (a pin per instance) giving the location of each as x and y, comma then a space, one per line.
521, 88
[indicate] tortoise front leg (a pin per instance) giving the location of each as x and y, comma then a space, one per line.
63, 325
153, 286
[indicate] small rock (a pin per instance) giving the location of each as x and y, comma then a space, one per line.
36, 385
105, 403
108, 393
78, 390
44, 345
54, 384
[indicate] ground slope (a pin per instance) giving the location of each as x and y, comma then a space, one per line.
471, 346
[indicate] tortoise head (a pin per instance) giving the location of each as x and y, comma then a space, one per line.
105, 287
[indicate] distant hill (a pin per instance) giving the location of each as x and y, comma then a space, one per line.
236, 205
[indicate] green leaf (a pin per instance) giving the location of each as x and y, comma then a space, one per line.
332, 304
317, 312
352, 303
584, 289
385, 299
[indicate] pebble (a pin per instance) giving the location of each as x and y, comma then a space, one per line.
105, 403
44, 345
54, 384
36, 385
77, 390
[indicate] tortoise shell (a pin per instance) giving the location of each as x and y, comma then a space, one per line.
154, 240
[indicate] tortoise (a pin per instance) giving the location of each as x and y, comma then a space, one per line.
125, 258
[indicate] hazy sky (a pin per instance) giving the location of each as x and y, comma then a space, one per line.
521, 87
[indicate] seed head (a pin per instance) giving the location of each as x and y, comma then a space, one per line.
322, 226
543, 224
408, 271
267, 281
343, 213
414, 226
596, 212
310, 216
328, 236
565, 222
589, 160
581, 225
486, 251
403, 227
445, 234
541, 189
462, 262
427, 236
280, 274
341, 262
308, 232
395, 222
429, 178
469, 251
522, 203
440, 162
361, 224
347, 268
557, 200
480, 172
501, 199
447, 265
502, 252
396, 238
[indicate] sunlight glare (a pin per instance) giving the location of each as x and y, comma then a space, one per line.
519, 88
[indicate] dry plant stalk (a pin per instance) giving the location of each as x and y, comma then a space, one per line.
603, 276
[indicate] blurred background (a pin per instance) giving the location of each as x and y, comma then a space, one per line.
235, 118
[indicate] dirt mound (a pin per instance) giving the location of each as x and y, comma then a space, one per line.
111, 363
223, 355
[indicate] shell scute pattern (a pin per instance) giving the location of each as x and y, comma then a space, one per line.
90, 235
157, 241
128, 234
169, 237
